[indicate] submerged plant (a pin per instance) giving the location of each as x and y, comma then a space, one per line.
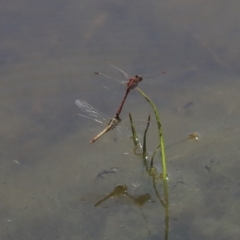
151, 170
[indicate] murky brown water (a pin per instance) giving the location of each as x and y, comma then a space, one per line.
48, 176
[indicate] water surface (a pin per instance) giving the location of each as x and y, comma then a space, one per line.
49, 52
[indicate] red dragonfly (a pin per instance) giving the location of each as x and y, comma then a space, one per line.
131, 83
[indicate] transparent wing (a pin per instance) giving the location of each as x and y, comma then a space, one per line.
90, 111
106, 76
120, 70
155, 74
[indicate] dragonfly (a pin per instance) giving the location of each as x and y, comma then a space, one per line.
131, 83
95, 115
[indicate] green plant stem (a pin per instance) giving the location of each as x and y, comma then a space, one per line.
134, 133
144, 155
164, 164
137, 144
161, 140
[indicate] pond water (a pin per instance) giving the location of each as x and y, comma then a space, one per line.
51, 177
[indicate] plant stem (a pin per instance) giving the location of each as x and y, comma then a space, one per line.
160, 133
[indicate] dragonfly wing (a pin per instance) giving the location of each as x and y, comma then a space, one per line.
106, 76
94, 119
90, 111
154, 74
120, 70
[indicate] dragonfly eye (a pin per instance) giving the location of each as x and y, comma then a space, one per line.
139, 78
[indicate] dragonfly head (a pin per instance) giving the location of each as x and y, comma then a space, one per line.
139, 78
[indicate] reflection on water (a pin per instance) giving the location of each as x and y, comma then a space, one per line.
121, 190
49, 53
117, 191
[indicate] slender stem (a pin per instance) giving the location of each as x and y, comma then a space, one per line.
137, 144
164, 164
144, 155
154, 155
156, 191
166, 208
134, 133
